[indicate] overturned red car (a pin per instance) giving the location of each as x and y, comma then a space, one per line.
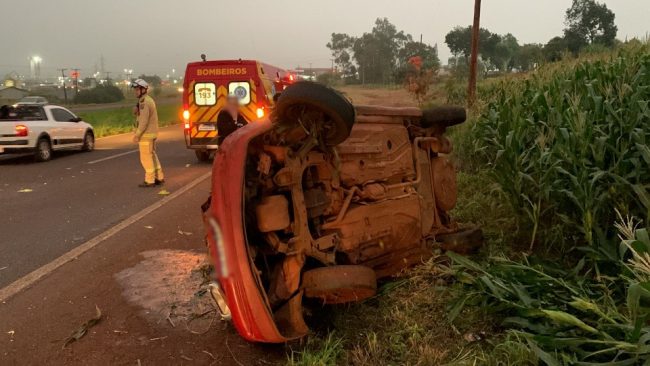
321, 200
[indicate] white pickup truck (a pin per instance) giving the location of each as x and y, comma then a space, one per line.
41, 129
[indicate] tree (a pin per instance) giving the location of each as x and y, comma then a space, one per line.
555, 49
504, 52
589, 22
341, 45
376, 52
528, 56
491, 48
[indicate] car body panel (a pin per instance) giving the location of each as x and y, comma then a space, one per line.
250, 313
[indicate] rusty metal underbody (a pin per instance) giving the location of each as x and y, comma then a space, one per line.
378, 200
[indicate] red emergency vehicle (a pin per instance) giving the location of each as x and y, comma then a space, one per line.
208, 83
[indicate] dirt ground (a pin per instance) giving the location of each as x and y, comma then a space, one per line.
392, 97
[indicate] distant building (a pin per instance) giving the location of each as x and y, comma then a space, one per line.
12, 94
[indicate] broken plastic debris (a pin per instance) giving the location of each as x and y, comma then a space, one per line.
163, 192
148, 227
25, 190
187, 233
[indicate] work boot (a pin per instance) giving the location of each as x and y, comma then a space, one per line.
159, 182
146, 185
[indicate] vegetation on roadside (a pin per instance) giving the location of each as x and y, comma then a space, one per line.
99, 94
558, 160
121, 120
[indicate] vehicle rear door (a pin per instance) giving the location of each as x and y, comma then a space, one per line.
69, 133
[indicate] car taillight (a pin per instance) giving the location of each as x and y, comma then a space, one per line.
21, 130
260, 112
186, 118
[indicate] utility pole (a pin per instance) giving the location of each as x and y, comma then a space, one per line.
65, 94
471, 88
108, 77
76, 81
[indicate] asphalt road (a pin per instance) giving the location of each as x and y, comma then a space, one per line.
76, 196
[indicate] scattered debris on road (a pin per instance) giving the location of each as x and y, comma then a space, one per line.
25, 190
83, 329
148, 227
163, 192
186, 233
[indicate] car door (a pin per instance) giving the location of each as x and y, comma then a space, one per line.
68, 131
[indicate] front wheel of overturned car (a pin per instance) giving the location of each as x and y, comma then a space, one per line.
202, 155
43, 150
309, 105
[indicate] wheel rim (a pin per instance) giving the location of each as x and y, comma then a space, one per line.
90, 142
44, 150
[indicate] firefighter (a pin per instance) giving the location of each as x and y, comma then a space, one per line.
146, 134
229, 119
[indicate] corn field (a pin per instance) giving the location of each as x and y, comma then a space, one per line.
570, 145
569, 148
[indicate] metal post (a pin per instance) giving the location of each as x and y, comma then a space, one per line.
65, 94
471, 89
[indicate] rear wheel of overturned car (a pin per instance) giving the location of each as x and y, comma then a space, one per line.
308, 104
202, 155
43, 150
340, 284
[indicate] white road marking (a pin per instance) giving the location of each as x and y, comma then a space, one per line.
34, 276
112, 157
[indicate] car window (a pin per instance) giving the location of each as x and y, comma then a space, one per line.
27, 113
61, 115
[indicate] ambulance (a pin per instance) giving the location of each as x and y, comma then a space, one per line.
208, 83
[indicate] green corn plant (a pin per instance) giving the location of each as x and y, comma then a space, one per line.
569, 144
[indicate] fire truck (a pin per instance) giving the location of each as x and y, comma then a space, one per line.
206, 87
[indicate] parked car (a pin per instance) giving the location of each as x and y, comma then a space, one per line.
32, 101
42, 129
317, 203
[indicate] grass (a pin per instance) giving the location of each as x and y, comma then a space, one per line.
121, 120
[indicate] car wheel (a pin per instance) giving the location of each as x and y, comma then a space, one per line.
43, 150
307, 102
445, 116
340, 284
202, 155
89, 142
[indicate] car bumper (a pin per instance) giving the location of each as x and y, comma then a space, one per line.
15, 146
250, 311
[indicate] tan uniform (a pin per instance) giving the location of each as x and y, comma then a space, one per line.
147, 132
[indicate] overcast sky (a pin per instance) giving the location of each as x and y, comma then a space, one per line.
155, 36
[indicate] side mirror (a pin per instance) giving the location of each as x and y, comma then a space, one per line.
76, 119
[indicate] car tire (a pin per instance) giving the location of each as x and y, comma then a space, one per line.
340, 284
202, 155
299, 98
43, 150
445, 116
89, 142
